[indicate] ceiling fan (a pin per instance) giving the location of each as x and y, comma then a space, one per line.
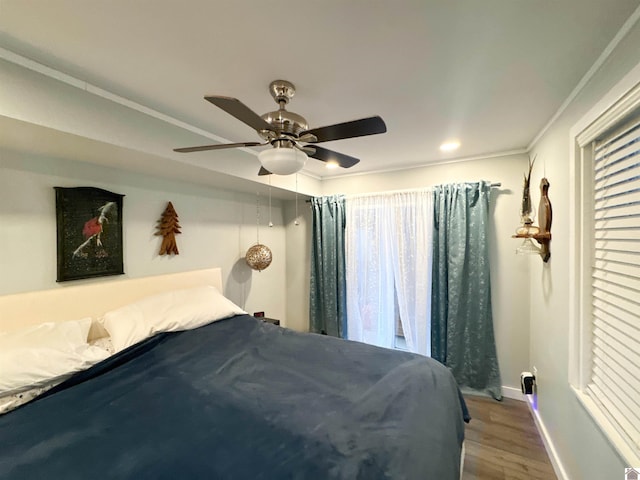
288, 133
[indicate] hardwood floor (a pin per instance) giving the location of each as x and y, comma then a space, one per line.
502, 442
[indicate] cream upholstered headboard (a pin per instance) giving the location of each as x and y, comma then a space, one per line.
94, 299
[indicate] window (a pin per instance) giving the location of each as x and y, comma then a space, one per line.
388, 243
605, 370
615, 291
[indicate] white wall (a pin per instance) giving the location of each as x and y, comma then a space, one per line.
509, 272
583, 450
75, 135
217, 228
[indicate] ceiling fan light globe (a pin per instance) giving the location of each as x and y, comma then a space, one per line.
282, 161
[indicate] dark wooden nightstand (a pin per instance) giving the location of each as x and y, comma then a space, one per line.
275, 321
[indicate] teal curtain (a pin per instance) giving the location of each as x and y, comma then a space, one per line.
461, 318
328, 303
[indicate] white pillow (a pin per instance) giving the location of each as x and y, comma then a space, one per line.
49, 352
167, 312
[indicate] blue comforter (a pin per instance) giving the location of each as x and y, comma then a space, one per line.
242, 399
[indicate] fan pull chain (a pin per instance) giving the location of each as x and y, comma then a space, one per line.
258, 217
270, 222
296, 222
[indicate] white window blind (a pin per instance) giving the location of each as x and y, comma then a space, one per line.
615, 292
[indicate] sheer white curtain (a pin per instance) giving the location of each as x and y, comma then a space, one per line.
388, 255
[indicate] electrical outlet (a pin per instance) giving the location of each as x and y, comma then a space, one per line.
535, 372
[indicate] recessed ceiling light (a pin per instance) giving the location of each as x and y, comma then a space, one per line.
332, 164
449, 146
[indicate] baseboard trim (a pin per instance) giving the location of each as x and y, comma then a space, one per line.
561, 473
514, 393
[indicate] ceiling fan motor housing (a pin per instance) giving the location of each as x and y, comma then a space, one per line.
285, 122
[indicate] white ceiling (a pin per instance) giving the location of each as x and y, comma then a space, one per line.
490, 73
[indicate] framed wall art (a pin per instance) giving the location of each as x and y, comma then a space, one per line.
89, 233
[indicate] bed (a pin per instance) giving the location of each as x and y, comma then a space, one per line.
236, 398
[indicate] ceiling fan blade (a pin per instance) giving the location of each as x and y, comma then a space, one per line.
236, 108
218, 146
355, 128
326, 155
264, 171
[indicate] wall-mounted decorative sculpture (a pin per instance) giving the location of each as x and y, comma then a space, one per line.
527, 230
545, 215
168, 227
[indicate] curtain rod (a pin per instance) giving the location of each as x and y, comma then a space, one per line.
493, 185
